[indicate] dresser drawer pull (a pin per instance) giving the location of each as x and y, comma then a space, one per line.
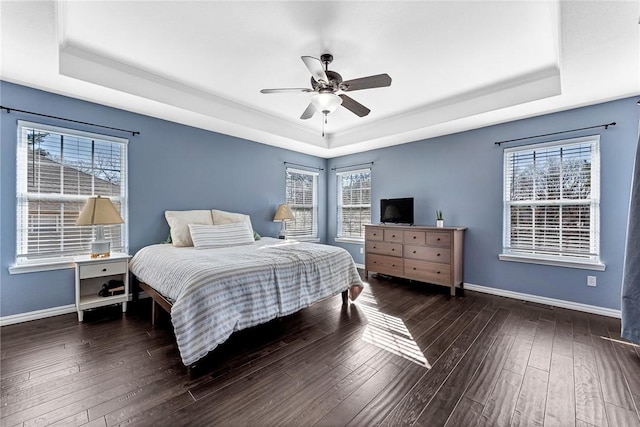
374, 262
375, 234
414, 237
437, 272
393, 235
438, 255
438, 239
104, 269
414, 252
393, 249
375, 247
414, 268
393, 265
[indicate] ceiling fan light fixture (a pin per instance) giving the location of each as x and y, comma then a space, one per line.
326, 102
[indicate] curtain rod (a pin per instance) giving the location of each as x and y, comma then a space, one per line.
304, 166
350, 166
9, 110
605, 126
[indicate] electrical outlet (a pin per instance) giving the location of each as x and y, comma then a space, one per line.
361, 250
591, 281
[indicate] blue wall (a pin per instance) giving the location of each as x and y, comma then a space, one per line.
461, 174
171, 167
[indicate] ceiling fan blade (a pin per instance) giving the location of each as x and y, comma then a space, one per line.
354, 106
309, 112
315, 68
287, 90
379, 80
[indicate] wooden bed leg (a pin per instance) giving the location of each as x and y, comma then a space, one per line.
345, 297
154, 313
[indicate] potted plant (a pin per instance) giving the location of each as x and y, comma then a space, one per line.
439, 219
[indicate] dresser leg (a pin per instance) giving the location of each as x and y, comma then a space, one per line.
124, 307
80, 315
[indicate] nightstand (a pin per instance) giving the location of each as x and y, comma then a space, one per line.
93, 273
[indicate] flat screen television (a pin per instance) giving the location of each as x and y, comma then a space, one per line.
397, 211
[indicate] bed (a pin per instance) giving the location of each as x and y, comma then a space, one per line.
212, 293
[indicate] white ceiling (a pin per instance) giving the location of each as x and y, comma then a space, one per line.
455, 65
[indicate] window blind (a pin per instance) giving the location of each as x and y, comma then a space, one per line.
302, 198
552, 199
354, 202
57, 170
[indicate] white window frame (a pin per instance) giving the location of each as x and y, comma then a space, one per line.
24, 264
314, 232
340, 237
585, 260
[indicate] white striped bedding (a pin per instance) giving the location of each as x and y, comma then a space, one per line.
219, 291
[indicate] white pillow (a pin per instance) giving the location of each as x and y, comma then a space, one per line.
179, 222
217, 236
222, 217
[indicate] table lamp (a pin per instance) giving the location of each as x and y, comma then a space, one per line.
99, 211
283, 214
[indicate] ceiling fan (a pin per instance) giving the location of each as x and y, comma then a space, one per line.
326, 84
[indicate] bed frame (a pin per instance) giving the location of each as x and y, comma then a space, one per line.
165, 304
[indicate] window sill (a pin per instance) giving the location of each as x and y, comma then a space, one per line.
303, 239
352, 240
586, 265
44, 266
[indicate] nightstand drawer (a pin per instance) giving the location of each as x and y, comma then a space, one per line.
103, 269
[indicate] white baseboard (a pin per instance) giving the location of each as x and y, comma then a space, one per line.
38, 314
47, 312
360, 266
609, 312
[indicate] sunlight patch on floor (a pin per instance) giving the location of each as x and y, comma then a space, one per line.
389, 333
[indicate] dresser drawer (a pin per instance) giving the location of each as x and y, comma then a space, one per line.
384, 248
384, 264
438, 238
428, 253
373, 234
103, 269
415, 237
431, 272
393, 236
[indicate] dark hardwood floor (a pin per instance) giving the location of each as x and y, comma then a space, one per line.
403, 354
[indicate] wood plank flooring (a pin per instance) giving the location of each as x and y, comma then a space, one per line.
403, 354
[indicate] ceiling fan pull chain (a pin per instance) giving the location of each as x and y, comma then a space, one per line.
323, 123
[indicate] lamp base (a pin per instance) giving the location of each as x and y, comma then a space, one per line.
100, 249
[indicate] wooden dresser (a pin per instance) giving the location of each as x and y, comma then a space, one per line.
425, 254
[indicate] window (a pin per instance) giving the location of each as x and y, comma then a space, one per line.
57, 170
354, 203
302, 198
552, 203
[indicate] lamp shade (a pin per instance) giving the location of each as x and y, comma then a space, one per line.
99, 211
283, 213
326, 102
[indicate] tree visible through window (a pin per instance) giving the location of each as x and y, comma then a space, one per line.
302, 198
57, 170
354, 203
552, 200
